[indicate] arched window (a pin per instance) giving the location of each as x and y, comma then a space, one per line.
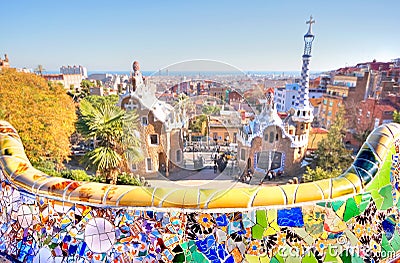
271, 137
276, 136
266, 137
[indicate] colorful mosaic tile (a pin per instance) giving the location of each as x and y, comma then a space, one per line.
42, 226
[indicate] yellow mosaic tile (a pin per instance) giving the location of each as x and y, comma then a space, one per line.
235, 197
114, 193
138, 196
178, 199
290, 192
355, 180
206, 194
308, 192
52, 185
89, 192
270, 195
326, 187
341, 187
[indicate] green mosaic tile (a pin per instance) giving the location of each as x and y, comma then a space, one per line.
277, 259
386, 193
351, 209
324, 204
381, 178
309, 258
356, 259
386, 246
366, 198
337, 204
198, 257
345, 257
395, 242
257, 232
261, 216
358, 199
179, 258
330, 256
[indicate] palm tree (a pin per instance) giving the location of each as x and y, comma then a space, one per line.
113, 131
39, 70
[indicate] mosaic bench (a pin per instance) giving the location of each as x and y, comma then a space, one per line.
351, 218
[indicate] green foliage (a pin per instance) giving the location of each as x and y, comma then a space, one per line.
96, 100
197, 123
318, 174
332, 153
128, 179
42, 112
211, 110
396, 116
113, 130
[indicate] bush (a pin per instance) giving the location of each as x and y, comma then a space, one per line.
48, 168
128, 179
319, 174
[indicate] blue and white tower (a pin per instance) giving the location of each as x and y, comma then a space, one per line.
303, 109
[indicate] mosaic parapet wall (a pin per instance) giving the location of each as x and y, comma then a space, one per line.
352, 218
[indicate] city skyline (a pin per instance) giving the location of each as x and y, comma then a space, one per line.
257, 36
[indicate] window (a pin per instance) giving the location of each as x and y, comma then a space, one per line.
331, 103
178, 156
271, 137
368, 114
325, 101
234, 137
133, 167
154, 139
330, 113
149, 164
293, 97
266, 137
242, 154
145, 121
360, 111
276, 136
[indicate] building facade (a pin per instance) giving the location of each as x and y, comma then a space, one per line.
160, 127
266, 142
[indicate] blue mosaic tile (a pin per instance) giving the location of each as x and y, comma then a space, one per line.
389, 225
222, 220
292, 217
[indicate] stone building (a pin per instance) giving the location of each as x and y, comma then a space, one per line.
4, 63
160, 126
267, 142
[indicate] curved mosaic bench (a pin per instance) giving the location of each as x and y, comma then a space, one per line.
351, 218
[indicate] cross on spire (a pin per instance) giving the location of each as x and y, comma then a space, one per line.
311, 21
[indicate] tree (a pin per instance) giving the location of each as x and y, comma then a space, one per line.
85, 88
43, 114
184, 106
113, 130
211, 110
196, 124
331, 156
39, 70
396, 116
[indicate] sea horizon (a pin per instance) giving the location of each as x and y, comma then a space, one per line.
199, 73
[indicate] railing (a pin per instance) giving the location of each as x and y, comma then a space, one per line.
46, 218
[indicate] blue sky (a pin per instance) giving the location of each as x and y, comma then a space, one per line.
251, 35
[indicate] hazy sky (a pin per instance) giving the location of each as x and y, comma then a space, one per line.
251, 35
